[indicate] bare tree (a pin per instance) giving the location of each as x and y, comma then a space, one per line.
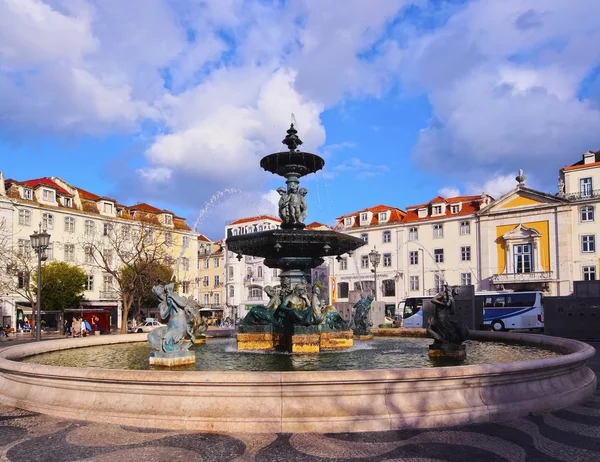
126, 252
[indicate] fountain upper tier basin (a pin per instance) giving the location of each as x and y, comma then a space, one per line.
292, 163
278, 246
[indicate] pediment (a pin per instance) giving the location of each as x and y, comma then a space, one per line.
521, 198
521, 232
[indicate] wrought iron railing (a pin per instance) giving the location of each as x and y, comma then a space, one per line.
108, 295
583, 195
535, 276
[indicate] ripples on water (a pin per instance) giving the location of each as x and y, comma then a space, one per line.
221, 355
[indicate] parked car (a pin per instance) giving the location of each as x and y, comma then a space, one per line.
147, 326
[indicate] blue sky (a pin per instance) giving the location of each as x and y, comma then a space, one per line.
174, 103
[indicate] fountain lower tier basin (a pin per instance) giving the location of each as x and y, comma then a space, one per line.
302, 401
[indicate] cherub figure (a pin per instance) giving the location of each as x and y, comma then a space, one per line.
296, 203
283, 204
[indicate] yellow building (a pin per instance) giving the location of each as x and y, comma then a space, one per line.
211, 277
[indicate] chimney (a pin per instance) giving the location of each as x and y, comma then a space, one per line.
589, 157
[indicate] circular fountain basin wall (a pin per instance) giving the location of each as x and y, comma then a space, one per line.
319, 401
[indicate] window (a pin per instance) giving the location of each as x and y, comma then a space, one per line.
108, 256
24, 218
90, 228
69, 224
206, 299
185, 261
344, 264
348, 221
206, 263
465, 228
107, 207
522, 256
465, 279
67, 201
439, 255
89, 255
465, 253
125, 231
585, 187
69, 252
364, 216
387, 259
413, 234
107, 283
343, 290
365, 237
455, 208
588, 243
437, 209
89, 283
169, 260
230, 272
231, 291
23, 248
48, 195
168, 219
587, 213
414, 283
23, 280
185, 287
108, 227
259, 272
148, 236
169, 239
47, 221
255, 293
387, 237
205, 281
217, 300
364, 261
589, 273
28, 194
438, 282
217, 280
382, 216
49, 252
414, 257
275, 272
389, 288
438, 231
186, 242
215, 262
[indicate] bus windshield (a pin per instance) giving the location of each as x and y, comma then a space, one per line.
412, 306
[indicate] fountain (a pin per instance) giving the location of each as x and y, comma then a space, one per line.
293, 321
384, 384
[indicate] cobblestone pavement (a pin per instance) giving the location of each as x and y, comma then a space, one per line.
569, 435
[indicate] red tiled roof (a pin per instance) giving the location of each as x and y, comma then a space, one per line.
437, 200
449, 200
143, 207
469, 207
315, 224
202, 237
86, 195
260, 217
45, 182
581, 164
396, 216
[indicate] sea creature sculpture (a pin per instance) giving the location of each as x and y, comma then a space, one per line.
361, 323
445, 331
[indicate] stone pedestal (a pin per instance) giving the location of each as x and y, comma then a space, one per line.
336, 340
303, 340
364, 337
172, 358
198, 341
258, 338
447, 351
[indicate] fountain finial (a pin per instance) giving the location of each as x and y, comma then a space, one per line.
291, 140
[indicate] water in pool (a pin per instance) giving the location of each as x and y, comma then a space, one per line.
221, 354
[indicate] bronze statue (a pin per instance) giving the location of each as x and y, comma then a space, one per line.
445, 331
361, 323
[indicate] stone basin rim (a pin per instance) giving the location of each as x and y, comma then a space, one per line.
577, 352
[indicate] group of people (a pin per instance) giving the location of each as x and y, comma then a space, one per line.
80, 327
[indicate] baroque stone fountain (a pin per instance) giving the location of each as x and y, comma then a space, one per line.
293, 320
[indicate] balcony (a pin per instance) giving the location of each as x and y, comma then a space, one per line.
250, 280
108, 295
579, 196
255, 298
517, 278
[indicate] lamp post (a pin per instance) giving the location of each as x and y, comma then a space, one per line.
375, 258
39, 242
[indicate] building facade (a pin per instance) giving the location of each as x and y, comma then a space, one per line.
211, 278
78, 222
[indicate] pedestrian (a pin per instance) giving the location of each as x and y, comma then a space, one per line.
76, 327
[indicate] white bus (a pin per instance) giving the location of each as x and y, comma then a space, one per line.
501, 310
511, 310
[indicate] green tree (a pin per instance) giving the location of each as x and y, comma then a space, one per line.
143, 276
63, 285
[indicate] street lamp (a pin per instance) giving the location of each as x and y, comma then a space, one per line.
375, 258
39, 242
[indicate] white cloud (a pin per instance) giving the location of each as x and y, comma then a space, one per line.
496, 186
449, 191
